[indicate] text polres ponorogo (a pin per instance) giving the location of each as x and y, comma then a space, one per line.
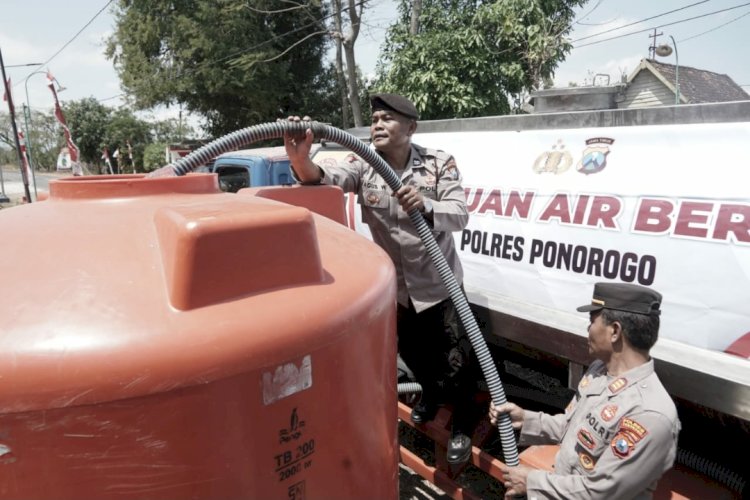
608, 263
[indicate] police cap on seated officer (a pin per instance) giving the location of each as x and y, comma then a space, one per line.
618, 435
431, 340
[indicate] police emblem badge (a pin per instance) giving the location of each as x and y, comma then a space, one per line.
622, 445
557, 160
628, 435
586, 461
586, 439
609, 412
594, 157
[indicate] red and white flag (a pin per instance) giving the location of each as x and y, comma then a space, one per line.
24, 155
130, 155
72, 148
105, 157
6, 97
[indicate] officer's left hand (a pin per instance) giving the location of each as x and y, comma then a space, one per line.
514, 480
409, 197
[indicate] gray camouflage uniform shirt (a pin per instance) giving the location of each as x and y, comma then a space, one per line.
617, 437
435, 175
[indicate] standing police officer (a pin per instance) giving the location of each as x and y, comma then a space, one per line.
619, 434
430, 340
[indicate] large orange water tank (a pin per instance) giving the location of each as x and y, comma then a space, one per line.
162, 339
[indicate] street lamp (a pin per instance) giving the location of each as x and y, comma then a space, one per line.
27, 118
665, 50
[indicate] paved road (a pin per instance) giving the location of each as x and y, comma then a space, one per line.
12, 183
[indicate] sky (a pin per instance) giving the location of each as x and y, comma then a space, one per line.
69, 37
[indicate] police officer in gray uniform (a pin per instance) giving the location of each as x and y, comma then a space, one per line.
619, 434
430, 339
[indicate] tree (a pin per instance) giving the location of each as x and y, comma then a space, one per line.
88, 119
171, 130
154, 156
469, 57
235, 63
124, 128
43, 139
42, 136
346, 38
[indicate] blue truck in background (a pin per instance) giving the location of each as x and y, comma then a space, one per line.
252, 167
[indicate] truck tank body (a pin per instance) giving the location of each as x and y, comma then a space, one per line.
166, 340
559, 201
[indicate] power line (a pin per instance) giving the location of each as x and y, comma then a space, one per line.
638, 22
584, 16
714, 29
71, 40
229, 56
663, 25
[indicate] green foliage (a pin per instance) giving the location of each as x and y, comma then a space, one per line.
171, 130
154, 156
43, 138
124, 127
234, 63
88, 119
469, 57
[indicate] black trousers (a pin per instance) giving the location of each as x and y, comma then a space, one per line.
435, 347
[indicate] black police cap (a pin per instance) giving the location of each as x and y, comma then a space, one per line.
394, 102
624, 297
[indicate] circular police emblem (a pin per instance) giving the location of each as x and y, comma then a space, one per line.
622, 445
595, 155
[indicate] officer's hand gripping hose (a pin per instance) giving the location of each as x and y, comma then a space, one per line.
276, 130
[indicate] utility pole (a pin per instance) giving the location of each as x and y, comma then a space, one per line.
24, 174
652, 47
29, 155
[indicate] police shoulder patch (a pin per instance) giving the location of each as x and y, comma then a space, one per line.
586, 439
621, 445
635, 430
618, 385
609, 412
587, 462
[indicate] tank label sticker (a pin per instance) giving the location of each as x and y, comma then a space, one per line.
287, 379
294, 431
295, 458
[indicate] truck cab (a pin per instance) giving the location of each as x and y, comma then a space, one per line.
252, 168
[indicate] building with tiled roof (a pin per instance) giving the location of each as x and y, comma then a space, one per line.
656, 84
651, 84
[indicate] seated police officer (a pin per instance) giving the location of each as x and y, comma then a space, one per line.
619, 434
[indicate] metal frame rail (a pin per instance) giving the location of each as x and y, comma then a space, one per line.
443, 474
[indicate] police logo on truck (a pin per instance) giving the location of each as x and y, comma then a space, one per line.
595, 155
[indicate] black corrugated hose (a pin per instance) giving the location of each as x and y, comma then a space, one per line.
276, 130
